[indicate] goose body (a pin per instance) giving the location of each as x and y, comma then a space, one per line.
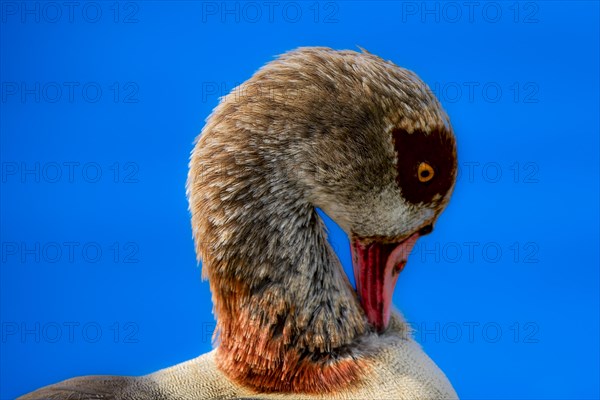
401, 371
369, 144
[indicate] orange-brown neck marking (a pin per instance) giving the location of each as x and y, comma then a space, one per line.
265, 351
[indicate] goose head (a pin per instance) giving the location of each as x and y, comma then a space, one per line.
360, 138
384, 183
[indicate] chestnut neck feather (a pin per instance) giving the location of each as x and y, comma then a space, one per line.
287, 317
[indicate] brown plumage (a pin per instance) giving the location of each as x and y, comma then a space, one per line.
351, 134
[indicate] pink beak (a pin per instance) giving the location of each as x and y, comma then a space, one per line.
377, 266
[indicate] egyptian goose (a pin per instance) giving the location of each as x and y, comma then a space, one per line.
369, 144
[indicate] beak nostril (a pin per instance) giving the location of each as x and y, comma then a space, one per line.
426, 230
398, 267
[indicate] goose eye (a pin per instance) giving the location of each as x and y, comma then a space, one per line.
425, 172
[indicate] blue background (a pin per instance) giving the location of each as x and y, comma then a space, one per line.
515, 318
